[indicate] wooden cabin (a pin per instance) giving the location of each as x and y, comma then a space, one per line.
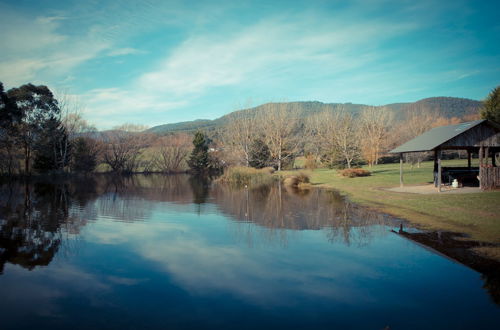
481, 137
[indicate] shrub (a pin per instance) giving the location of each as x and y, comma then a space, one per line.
295, 180
311, 163
268, 169
354, 172
241, 176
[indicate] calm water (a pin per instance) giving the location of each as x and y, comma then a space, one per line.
175, 252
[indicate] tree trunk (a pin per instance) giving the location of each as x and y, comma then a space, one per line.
26, 159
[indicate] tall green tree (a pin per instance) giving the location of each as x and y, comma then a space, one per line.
9, 112
38, 106
259, 154
84, 155
491, 106
50, 152
199, 160
9, 118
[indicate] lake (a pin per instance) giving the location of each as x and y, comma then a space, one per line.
178, 252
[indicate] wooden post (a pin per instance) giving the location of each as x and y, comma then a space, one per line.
481, 180
401, 170
487, 155
435, 167
439, 170
481, 156
468, 158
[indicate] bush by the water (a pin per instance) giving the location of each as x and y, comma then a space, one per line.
241, 176
354, 172
295, 180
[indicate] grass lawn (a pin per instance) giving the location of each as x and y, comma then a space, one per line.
475, 214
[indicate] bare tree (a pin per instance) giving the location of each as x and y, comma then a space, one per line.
238, 135
417, 121
173, 152
335, 132
279, 124
373, 130
123, 148
345, 136
75, 126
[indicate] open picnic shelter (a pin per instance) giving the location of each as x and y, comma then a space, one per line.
481, 137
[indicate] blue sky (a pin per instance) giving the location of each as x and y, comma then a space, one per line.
155, 62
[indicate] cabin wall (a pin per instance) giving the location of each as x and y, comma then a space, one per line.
489, 178
483, 134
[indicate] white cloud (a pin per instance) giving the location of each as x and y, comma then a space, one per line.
268, 50
35, 50
108, 107
271, 52
125, 51
200, 265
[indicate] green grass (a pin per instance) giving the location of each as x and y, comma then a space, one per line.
476, 214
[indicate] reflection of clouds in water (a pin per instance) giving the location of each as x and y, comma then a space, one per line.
202, 266
125, 280
25, 293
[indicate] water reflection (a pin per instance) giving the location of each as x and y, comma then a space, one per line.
275, 207
36, 219
33, 220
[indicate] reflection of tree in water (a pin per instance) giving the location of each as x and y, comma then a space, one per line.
200, 185
277, 208
129, 198
34, 218
122, 199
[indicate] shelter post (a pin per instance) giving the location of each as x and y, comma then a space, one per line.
401, 170
435, 171
439, 170
468, 159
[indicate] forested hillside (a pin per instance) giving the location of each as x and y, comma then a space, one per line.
447, 107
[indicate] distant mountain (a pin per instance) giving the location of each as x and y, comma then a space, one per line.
446, 106
182, 126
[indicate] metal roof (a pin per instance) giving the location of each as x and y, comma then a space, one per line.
435, 137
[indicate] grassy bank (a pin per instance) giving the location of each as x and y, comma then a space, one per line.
476, 214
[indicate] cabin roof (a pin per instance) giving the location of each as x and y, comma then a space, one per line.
438, 136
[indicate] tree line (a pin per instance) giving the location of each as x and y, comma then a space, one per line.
276, 134
40, 133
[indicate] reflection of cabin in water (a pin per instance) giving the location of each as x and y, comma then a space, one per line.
481, 137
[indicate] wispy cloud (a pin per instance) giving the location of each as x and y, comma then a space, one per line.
111, 106
129, 58
34, 50
125, 51
272, 49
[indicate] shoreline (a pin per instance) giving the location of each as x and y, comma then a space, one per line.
418, 209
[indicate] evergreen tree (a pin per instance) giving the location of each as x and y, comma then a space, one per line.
491, 106
84, 155
38, 109
10, 115
260, 155
50, 154
199, 161
9, 111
